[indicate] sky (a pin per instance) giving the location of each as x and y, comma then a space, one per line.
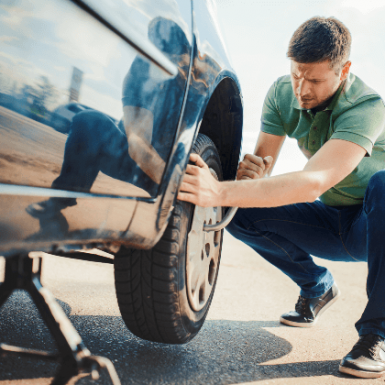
257, 34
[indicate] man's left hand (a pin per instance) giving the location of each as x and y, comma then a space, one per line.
199, 186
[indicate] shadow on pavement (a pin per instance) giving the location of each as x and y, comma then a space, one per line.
224, 352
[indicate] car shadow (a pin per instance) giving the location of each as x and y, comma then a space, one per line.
224, 352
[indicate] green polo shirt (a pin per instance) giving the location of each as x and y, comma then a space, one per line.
356, 114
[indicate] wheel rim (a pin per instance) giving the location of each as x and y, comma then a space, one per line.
202, 260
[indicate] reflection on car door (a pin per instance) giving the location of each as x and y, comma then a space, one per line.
81, 108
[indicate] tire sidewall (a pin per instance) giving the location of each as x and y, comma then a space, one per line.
193, 320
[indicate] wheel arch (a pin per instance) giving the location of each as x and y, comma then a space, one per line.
222, 122
220, 118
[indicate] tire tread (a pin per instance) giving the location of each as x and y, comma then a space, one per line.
146, 281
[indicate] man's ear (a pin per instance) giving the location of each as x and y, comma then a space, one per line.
345, 70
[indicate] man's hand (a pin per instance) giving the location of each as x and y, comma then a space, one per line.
254, 167
199, 186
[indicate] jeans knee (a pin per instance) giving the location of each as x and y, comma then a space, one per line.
377, 180
94, 129
376, 183
374, 194
236, 225
90, 120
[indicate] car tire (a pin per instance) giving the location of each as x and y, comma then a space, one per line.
164, 294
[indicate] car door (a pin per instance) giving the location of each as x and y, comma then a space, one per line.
90, 100
57, 56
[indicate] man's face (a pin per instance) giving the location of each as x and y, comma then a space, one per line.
315, 83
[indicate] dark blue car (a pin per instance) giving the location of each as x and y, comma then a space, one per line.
101, 103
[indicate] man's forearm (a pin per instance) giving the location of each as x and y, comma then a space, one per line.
296, 187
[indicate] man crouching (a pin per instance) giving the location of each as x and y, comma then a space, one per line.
335, 207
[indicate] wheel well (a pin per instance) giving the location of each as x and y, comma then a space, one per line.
222, 123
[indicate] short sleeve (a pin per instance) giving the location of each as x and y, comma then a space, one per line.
362, 124
271, 122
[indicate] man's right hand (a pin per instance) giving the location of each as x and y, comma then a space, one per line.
254, 167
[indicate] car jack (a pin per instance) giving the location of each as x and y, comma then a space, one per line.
23, 272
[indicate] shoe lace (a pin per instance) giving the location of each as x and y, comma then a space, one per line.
302, 305
369, 344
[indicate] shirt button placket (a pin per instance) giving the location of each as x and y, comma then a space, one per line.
313, 134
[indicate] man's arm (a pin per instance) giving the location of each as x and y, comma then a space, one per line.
332, 163
138, 124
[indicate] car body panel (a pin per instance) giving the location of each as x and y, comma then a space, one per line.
75, 56
135, 28
99, 86
91, 222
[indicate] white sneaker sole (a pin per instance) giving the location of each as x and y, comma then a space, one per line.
310, 324
360, 373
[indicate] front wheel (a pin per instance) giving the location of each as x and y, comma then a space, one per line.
164, 294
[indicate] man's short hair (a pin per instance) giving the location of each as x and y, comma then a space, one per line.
319, 39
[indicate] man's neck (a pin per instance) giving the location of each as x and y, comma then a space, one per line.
323, 105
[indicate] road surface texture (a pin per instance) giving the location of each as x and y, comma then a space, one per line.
241, 342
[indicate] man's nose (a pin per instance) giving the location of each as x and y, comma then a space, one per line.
303, 89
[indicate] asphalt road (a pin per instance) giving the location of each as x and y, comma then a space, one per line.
241, 342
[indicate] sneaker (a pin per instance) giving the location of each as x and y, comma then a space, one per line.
308, 310
366, 359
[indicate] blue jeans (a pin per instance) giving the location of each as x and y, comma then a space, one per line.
96, 143
287, 235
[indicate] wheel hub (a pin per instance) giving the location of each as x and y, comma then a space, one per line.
202, 258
